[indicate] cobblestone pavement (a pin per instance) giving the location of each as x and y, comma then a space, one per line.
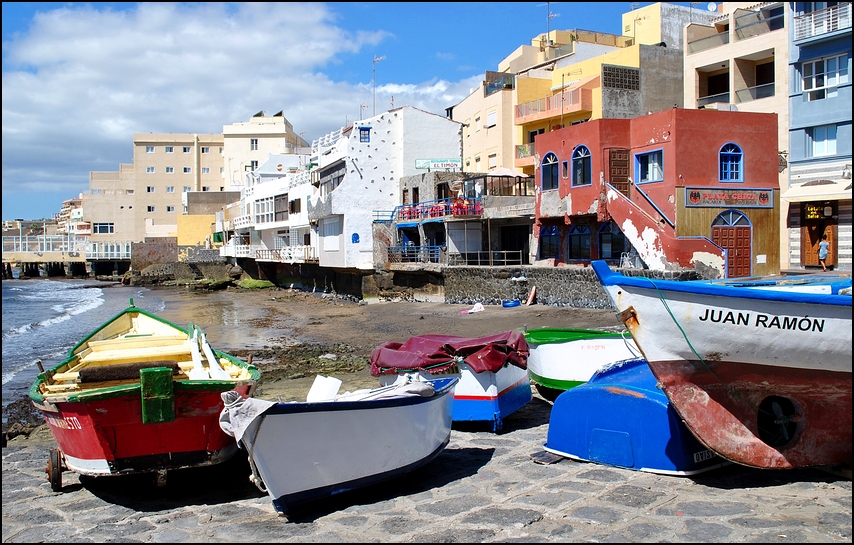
484, 487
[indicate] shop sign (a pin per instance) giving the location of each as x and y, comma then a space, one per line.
715, 197
437, 164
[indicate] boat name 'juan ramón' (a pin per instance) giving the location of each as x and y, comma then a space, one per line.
764, 320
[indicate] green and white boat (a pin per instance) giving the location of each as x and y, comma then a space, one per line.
563, 358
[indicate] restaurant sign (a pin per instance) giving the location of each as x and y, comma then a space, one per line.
438, 164
716, 197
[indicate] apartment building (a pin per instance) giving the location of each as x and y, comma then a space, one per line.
819, 139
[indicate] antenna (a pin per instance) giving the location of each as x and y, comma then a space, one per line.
376, 60
549, 17
712, 6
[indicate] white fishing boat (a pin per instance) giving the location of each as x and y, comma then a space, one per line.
304, 451
760, 376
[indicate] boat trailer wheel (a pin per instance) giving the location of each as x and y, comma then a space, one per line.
54, 469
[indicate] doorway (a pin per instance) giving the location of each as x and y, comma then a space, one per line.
731, 230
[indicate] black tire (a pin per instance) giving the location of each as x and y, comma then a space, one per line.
54, 470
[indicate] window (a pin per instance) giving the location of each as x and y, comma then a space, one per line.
149, 170
491, 118
253, 144
253, 165
822, 77
187, 189
220, 150
612, 242
187, 170
649, 167
170, 170
331, 233
364, 135
103, 228
822, 140
149, 189
493, 161
581, 169
477, 124
564, 169
170, 149
129, 191
549, 242
150, 209
295, 207
206, 170
206, 188
533, 134
280, 205
579, 242
731, 164
170, 208
149, 149
548, 176
186, 149
170, 189
206, 150
221, 170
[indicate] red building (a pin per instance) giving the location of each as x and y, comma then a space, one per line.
679, 189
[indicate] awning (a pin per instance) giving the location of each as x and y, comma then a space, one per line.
407, 224
819, 190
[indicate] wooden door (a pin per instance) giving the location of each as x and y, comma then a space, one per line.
736, 240
810, 237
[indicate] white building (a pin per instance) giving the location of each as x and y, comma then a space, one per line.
358, 173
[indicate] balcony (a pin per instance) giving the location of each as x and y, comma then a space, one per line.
702, 44
755, 93
288, 254
449, 207
243, 222
566, 103
823, 21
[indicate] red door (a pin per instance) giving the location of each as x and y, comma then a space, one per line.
736, 240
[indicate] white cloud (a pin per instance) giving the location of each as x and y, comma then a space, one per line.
80, 82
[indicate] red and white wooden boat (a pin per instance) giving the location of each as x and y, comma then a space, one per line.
139, 395
760, 376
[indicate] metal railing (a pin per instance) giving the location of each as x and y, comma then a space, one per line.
755, 93
439, 208
550, 104
38, 246
757, 23
524, 150
495, 258
415, 254
823, 21
288, 254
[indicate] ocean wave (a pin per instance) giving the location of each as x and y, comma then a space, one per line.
73, 300
12, 371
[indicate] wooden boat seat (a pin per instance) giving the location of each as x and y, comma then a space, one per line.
136, 342
128, 355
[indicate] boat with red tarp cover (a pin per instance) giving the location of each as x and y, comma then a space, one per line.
492, 371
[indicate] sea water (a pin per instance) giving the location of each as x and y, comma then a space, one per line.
43, 319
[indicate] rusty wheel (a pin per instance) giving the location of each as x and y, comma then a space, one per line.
54, 470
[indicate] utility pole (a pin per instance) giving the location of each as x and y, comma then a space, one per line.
374, 79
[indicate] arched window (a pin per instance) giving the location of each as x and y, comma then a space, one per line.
731, 218
579, 242
581, 174
549, 242
612, 242
549, 176
731, 164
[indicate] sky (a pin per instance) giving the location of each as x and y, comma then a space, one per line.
80, 79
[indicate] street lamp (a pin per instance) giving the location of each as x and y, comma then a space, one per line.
374, 78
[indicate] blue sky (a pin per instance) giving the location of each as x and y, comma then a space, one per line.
79, 79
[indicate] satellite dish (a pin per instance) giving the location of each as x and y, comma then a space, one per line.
712, 6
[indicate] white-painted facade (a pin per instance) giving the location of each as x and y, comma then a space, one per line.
358, 171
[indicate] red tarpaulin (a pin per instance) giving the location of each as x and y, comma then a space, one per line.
437, 353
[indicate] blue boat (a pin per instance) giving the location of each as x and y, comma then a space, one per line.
620, 418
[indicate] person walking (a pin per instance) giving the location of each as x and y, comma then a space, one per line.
823, 246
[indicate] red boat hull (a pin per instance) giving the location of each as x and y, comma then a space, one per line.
107, 436
763, 416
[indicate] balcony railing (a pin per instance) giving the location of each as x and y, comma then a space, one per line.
757, 23
439, 208
755, 93
288, 254
715, 40
496, 258
552, 106
524, 150
243, 221
823, 21
414, 254
703, 101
